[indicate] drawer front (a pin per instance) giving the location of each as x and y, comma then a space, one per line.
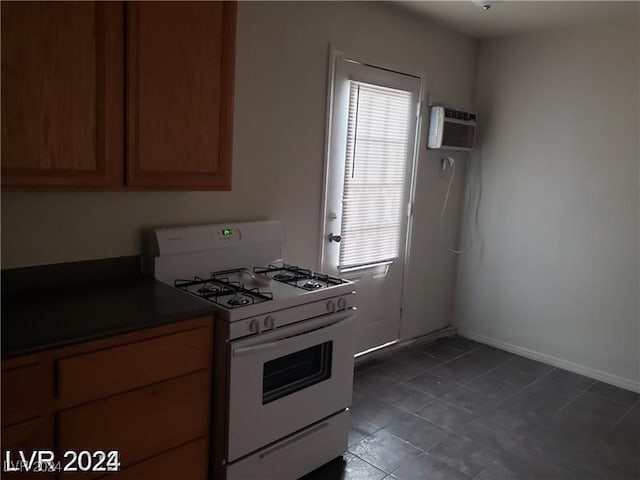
188, 462
34, 434
141, 423
25, 390
115, 370
296, 455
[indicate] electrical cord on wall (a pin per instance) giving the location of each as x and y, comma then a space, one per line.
450, 162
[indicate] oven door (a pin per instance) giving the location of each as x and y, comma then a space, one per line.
285, 380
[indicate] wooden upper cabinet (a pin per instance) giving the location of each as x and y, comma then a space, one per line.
62, 91
67, 104
180, 71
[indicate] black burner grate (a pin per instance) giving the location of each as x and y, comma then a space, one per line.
298, 277
222, 291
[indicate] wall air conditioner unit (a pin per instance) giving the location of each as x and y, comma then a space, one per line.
452, 129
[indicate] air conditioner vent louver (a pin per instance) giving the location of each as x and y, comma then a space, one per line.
452, 129
459, 115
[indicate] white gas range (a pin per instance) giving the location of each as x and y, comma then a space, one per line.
283, 348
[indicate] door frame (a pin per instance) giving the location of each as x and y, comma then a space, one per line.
334, 55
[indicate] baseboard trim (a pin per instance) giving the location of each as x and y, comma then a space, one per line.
554, 361
447, 331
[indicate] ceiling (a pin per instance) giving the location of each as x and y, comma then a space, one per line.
511, 17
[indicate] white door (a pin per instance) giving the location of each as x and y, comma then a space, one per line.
368, 191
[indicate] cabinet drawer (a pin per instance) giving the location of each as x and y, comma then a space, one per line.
30, 435
24, 392
34, 434
188, 462
115, 370
141, 423
294, 456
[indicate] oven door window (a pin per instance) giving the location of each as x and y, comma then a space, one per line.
296, 371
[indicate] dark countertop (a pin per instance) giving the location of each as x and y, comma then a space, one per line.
46, 318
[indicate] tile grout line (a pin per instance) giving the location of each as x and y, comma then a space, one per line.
463, 385
449, 429
519, 389
586, 389
633, 405
600, 395
406, 441
502, 364
406, 382
522, 388
495, 462
423, 452
474, 379
369, 463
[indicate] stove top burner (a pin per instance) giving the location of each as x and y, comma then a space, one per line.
227, 288
284, 277
224, 292
298, 277
238, 300
208, 289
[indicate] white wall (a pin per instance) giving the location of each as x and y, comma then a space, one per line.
556, 266
281, 76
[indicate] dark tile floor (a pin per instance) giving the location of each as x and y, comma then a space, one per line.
458, 409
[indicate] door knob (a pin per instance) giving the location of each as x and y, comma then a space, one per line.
334, 238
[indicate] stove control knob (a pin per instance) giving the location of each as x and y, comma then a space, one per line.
269, 323
254, 326
331, 306
342, 303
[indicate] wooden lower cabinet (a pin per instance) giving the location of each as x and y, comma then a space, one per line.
147, 395
28, 384
27, 436
99, 374
142, 422
34, 434
186, 462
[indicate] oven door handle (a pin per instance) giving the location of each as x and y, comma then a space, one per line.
327, 321
238, 352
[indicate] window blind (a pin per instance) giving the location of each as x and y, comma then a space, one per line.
374, 199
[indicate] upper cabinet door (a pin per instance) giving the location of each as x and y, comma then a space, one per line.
180, 94
62, 91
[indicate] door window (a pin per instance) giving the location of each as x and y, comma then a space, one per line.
370, 166
375, 177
